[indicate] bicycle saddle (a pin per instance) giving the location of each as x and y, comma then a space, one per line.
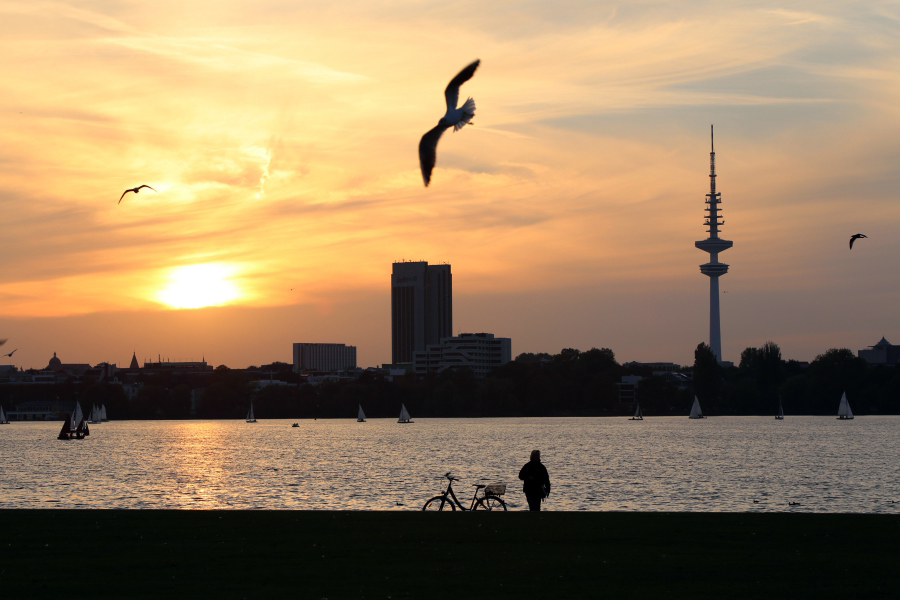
478, 485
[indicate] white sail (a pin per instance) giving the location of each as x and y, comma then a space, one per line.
103, 413
3, 419
361, 416
780, 414
404, 415
696, 413
637, 412
250, 417
844, 411
78, 416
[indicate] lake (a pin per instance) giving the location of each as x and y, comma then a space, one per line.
595, 464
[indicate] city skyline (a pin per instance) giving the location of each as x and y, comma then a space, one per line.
282, 143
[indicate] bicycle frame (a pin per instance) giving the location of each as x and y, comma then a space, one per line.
448, 496
451, 496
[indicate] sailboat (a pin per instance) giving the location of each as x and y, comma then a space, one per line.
74, 426
95, 415
696, 413
844, 411
3, 419
103, 413
780, 415
638, 415
361, 416
404, 415
250, 417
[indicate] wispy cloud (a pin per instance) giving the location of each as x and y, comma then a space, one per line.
282, 139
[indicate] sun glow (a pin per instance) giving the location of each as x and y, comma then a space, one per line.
196, 286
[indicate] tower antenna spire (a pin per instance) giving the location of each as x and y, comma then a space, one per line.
713, 244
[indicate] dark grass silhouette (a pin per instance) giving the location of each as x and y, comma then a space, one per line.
325, 554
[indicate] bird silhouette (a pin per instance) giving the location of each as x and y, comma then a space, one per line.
454, 117
855, 237
11, 353
135, 190
2, 342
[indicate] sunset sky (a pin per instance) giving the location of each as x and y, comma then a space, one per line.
282, 138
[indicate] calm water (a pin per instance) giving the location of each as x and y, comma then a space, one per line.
660, 464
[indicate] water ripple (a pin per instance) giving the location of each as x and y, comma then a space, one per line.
660, 464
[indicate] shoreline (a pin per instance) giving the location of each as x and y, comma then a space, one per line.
339, 554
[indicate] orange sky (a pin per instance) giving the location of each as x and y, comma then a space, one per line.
282, 140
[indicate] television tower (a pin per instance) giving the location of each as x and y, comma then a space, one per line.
713, 244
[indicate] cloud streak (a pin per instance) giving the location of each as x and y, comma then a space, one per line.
283, 140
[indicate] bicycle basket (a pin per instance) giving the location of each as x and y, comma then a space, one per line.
495, 489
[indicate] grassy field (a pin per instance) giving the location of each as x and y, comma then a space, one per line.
280, 554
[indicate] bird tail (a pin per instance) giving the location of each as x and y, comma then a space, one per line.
468, 112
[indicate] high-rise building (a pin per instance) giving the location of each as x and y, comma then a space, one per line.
713, 244
323, 357
421, 307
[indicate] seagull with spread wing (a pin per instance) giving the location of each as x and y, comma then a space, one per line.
855, 237
455, 118
11, 353
135, 190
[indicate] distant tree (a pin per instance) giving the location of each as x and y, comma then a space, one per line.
831, 374
277, 367
707, 374
656, 395
531, 358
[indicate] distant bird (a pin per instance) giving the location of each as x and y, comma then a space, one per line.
2, 342
455, 118
853, 238
135, 190
11, 353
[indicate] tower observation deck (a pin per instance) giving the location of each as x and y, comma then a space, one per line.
713, 244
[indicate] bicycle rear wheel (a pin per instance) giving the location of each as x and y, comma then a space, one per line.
439, 503
490, 503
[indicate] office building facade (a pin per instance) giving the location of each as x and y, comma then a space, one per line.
421, 307
479, 352
323, 357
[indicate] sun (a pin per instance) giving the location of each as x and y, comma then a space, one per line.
196, 286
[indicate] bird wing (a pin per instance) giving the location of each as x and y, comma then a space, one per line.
2, 342
122, 196
428, 151
452, 91
146, 186
852, 239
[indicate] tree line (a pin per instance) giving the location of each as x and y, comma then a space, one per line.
570, 383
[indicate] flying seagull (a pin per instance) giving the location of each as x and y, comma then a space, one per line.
455, 118
11, 353
853, 238
135, 190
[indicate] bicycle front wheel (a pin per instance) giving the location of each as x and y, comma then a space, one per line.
490, 503
439, 503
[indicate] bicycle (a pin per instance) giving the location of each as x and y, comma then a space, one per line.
489, 500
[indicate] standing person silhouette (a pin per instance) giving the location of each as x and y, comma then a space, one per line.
537, 481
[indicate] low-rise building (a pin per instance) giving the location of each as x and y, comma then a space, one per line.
480, 352
323, 357
882, 353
